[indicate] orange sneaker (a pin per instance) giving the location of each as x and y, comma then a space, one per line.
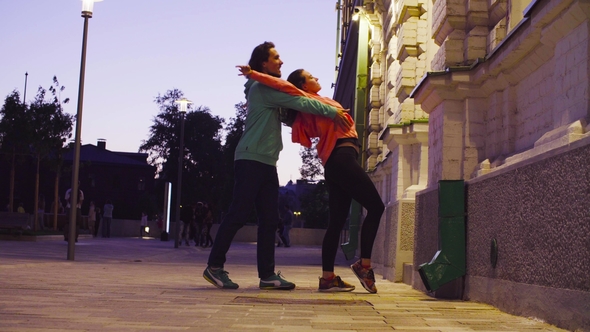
334, 285
366, 276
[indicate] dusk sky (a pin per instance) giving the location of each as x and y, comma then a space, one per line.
139, 49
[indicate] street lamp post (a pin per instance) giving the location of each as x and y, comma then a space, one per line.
87, 6
25, 94
183, 106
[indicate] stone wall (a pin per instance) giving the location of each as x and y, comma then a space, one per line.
538, 212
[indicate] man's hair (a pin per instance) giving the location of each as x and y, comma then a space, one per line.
259, 55
296, 78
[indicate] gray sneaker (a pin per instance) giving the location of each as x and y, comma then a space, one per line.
219, 278
276, 281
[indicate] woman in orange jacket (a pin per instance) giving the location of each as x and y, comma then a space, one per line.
346, 179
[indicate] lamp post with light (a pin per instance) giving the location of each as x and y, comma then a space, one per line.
87, 6
183, 106
297, 215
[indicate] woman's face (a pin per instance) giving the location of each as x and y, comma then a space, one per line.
311, 84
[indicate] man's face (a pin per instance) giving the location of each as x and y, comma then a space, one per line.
273, 65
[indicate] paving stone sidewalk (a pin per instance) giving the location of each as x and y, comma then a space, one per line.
133, 284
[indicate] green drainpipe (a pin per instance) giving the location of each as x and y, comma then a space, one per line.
362, 68
449, 261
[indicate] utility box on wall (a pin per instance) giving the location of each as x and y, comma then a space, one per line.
449, 261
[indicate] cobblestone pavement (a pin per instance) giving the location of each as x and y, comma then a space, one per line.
133, 284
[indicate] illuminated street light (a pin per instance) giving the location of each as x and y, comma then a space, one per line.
297, 215
87, 6
183, 106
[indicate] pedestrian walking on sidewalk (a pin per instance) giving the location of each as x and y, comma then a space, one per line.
287, 219
98, 213
92, 218
107, 217
256, 181
279, 234
143, 223
73, 205
207, 224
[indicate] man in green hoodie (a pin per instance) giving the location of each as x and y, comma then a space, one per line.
256, 179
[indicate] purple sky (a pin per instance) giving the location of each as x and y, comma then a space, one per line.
139, 49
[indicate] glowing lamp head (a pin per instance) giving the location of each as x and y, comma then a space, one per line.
87, 6
183, 104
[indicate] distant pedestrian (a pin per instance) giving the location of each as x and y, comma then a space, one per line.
60, 207
21, 208
107, 217
279, 234
187, 218
207, 224
73, 205
287, 218
92, 218
159, 222
143, 223
98, 221
199, 223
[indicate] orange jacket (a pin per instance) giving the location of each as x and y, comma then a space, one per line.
308, 126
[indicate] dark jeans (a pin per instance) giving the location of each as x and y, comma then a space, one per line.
208, 239
187, 233
95, 234
106, 226
346, 181
198, 233
286, 237
256, 184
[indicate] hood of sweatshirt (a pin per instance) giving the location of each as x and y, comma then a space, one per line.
247, 87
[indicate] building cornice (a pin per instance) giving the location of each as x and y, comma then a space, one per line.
410, 132
524, 49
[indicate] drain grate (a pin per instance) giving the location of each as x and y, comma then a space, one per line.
283, 301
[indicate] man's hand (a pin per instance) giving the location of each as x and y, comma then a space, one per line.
341, 121
245, 70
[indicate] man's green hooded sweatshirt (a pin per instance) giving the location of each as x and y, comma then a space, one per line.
261, 140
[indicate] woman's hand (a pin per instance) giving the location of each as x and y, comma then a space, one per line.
245, 70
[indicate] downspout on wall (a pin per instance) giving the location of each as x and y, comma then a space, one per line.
360, 118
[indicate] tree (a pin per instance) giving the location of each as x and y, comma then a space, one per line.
202, 148
315, 208
311, 165
314, 205
15, 134
233, 132
203, 156
162, 145
51, 128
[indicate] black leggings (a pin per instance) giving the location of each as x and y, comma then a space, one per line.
346, 181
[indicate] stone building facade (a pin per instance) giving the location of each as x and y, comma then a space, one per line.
495, 93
